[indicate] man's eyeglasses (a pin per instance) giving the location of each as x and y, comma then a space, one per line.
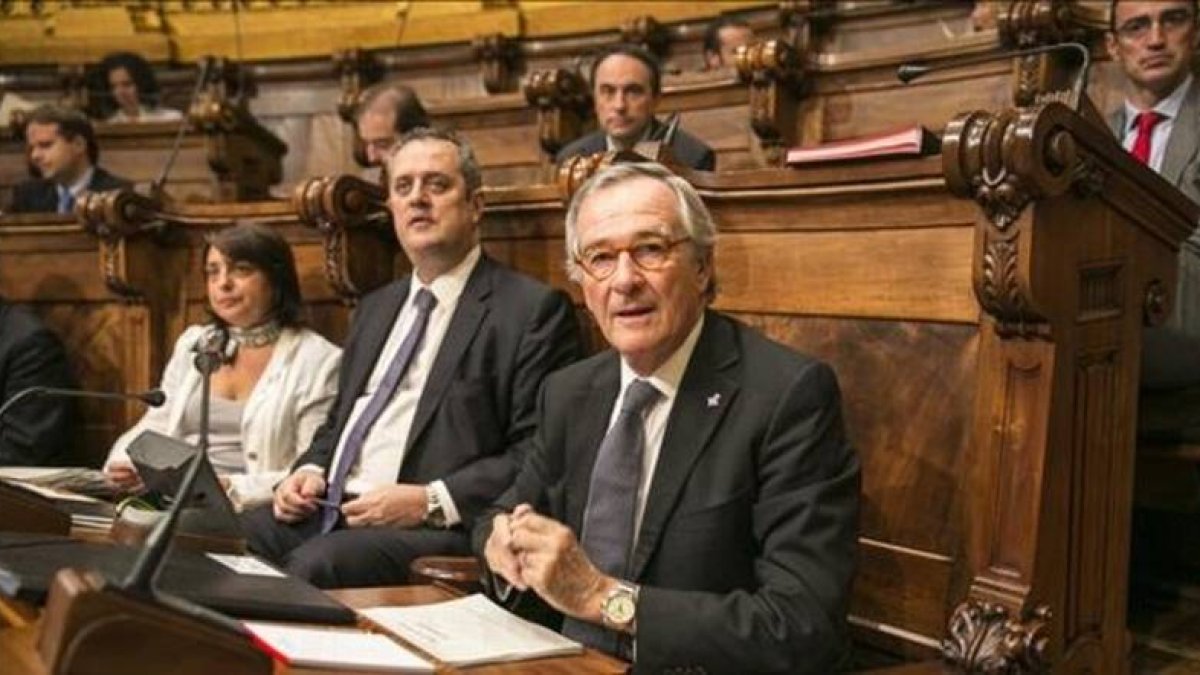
1171, 21
649, 254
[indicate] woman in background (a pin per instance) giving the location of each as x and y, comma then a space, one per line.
274, 392
134, 90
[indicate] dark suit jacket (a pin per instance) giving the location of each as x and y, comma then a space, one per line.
38, 431
38, 195
688, 150
475, 417
747, 546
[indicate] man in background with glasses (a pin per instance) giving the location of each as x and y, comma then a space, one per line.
1159, 124
691, 500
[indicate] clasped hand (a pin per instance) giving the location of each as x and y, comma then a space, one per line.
531, 551
296, 498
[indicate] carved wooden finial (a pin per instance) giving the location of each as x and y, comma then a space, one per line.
360, 246
497, 55
986, 639
646, 31
115, 218
775, 73
563, 103
357, 69
73, 79
1035, 23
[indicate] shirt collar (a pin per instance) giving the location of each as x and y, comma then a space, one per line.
1168, 107
80, 185
669, 375
611, 144
449, 286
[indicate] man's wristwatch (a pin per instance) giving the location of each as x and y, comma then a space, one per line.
619, 609
435, 513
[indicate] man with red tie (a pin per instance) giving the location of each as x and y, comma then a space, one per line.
1159, 124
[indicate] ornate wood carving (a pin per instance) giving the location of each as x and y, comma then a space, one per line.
351, 213
984, 638
246, 157
357, 69
804, 21
73, 79
497, 55
115, 218
1005, 161
1156, 303
1033, 23
648, 32
775, 74
563, 103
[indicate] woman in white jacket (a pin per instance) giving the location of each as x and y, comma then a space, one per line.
274, 392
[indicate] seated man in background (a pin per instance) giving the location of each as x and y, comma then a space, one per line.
62, 147
690, 500
386, 112
436, 395
721, 40
37, 431
1159, 123
626, 88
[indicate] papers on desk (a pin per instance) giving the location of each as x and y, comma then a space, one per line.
76, 480
471, 630
320, 647
86, 512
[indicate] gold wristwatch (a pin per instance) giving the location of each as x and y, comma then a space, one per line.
619, 609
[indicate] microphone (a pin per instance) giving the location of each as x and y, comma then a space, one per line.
153, 398
156, 188
907, 72
213, 350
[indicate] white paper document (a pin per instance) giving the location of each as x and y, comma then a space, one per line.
318, 647
246, 564
470, 631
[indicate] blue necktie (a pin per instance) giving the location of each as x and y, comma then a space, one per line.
424, 302
66, 201
612, 506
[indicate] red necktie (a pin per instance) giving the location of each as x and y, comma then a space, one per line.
1145, 121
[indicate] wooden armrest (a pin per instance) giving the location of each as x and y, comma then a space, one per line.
459, 572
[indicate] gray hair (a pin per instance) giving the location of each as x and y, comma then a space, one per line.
468, 166
693, 214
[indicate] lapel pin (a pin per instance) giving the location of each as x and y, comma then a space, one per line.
714, 400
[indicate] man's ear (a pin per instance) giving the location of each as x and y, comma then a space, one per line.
1110, 44
477, 206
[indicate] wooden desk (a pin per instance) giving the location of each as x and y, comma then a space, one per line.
19, 629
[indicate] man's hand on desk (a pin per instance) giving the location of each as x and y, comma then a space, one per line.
400, 505
296, 496
123, 477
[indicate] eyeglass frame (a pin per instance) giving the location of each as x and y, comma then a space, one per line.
668, 246
1134, 30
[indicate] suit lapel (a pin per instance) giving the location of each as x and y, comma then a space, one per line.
1181, 146
472, 307
592, 409
375, 334
705, 394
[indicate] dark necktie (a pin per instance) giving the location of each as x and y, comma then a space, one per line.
1145, 123
424, 302
608, 521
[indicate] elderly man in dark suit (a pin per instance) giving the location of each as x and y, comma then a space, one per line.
626, 87
691, 501
63, 148
38, 431
436, 396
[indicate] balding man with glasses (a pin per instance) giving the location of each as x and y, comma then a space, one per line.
690, 500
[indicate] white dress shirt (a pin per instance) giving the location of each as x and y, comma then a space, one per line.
654, 419
383, 449
1169, 109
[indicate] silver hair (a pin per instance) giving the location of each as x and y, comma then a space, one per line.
467, 164
697, 222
